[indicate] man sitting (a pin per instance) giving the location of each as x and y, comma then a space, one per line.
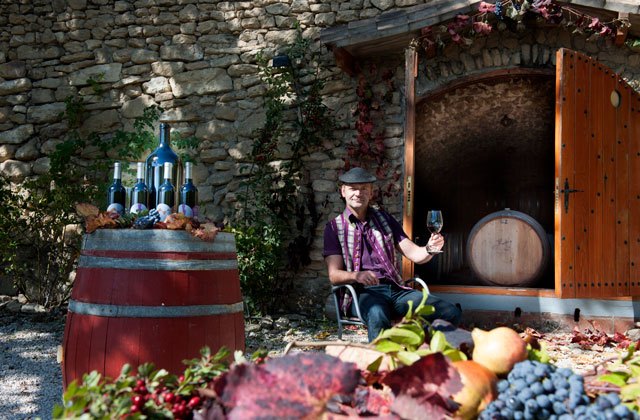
359, 248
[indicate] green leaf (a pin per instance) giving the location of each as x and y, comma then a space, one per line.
402, 336
615, 378
425, 310
408, 358
388, 346
438, 341
454, 354
375, 365
630, 392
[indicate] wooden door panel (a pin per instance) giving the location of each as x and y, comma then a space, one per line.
598, 160
634, 195
622, 263
595, 181
609, 135
581, 156
566, 102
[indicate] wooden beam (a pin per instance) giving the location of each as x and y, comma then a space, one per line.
410, 74
623, 31
345, 61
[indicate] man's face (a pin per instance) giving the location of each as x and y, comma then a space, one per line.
357, 196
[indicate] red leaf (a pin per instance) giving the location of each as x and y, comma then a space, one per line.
296, 386
424, 389
371, 401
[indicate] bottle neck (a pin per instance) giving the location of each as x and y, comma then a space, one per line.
117, 173
140, 172
165, 138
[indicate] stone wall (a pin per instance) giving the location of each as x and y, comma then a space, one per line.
197, 60
194, 58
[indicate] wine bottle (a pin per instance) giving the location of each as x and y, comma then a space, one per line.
188, 194
166, 194
140, 192
155, 164
153, 191
117, 194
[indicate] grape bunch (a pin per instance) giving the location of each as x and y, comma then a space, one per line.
498, 9
535, 390
147, 222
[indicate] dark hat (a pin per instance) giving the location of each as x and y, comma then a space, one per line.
357, 176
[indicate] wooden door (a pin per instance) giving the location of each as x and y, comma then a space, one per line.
597, 175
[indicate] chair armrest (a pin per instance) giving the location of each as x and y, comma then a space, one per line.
351, 290
420, 282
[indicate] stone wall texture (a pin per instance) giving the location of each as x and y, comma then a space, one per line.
197, 60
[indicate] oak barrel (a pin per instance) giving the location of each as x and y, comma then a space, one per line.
508, 248
151, 296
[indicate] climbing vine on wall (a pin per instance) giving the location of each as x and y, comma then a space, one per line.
375, 89
278, 220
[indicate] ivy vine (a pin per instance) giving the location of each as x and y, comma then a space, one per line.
369, 149
516, 15
277, 225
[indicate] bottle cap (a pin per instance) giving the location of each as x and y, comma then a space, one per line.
167, 169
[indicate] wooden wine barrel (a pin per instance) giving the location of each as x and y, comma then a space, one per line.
151, 296
508, 248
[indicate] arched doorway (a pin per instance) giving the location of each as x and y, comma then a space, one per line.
483, 145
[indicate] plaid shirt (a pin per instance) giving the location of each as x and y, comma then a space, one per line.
365, 245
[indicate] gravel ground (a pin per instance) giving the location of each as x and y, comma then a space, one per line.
30, 376
31, 379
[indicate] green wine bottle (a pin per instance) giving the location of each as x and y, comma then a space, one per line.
166, 194
117, 194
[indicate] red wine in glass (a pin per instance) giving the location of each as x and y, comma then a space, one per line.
434, 224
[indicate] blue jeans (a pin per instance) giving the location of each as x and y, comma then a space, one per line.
381, 304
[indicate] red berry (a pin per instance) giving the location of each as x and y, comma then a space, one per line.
194, 402
140, 382
169, 397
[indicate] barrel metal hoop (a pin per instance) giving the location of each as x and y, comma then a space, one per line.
121, 311
87, 261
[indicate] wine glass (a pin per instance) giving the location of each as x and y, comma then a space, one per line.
434, 225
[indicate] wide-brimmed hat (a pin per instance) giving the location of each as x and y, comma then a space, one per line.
357, 176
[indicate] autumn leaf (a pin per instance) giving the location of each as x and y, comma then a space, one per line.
176, 221
206, 232
101, 221
295, 386
86, 209
424, 389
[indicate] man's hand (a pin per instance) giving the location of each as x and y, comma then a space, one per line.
367, 278
436, 242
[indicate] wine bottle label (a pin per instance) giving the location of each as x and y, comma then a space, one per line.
163, 211
116, 207
188, 211
137, 208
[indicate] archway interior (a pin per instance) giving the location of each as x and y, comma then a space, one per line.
481, 148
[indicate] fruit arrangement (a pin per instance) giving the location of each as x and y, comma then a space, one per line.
96, 219
408, 372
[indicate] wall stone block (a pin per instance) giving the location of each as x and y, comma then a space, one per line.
45, 113
135, 107
181, 53
15, 170
15, 86
13, 70
18, 135
102, 72
7, 151
201, 82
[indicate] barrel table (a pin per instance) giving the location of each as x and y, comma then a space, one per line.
151, 296
508, 248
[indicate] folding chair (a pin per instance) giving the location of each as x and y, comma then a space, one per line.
345, 319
